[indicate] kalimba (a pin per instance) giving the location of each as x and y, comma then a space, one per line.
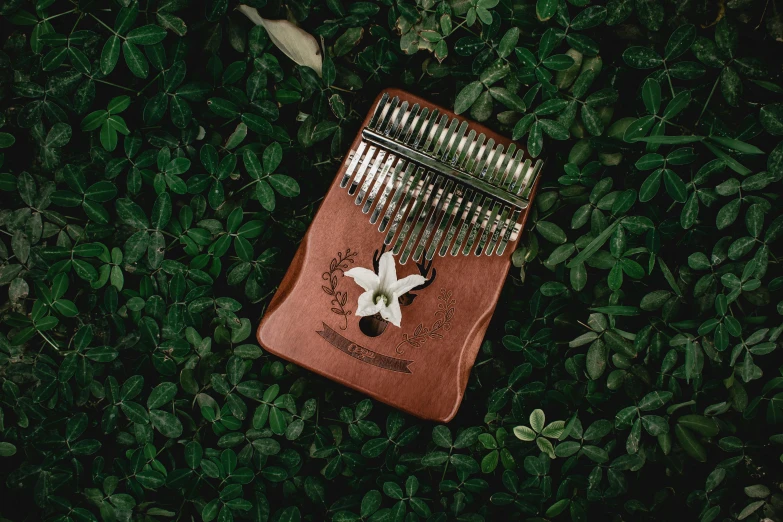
449, 198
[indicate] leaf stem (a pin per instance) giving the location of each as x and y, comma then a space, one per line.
58, 15
714, 85
112, 84
150, 83
104, 25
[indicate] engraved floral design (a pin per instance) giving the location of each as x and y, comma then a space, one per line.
443, 314
338, 266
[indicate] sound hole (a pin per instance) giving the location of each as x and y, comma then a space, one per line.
373, 325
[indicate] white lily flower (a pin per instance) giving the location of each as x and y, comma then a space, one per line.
382, 290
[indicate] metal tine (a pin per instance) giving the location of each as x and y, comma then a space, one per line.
481, 158
442, 142
467, 222
362, 169
472, 154
419, 202
527, 179
499, 176
464, 149
378, 110
500, 225
495, 167
394, 122
370, 176
517, 171
394, 178
428, 205
416, 126
406, 197
506, 176
406, 122
451, 155
488, 225
511, 224
425, 129
460, 212
352, 166
486, 165
479, 222
524, 167
438, 204
450, 210
401, 189
378, 183
386, 118
531, 179
525, 176
434, 134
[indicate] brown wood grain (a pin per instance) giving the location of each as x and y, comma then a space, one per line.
439, 367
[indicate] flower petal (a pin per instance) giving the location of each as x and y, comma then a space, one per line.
406, 284
365, 278
392, 313
387, 272
366, 306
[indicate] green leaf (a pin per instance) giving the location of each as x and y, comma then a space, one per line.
166, 423
771, 118
596, 360
726, 38
537, 420
589, 18
558, 62
284, 185
594, 245
277, 421
110, 54
59, 135
535, 140
507, 98
654, 400
700, 424
146, 35
545, 9
551, 232
467, 96
730, 85
676, 105
642, 57
162, 394
135, 60
6, 140
675, 186
76, 426
273, 155
680, 41
592, 120
739, 146
728, 214
265, 195
651, 94
690, 443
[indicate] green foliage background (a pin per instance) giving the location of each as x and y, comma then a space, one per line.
162, 159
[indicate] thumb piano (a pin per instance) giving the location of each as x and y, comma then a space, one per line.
449, 198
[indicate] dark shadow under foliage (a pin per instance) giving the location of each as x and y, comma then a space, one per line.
162, 160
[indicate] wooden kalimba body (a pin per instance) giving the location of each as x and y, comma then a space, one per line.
449, 198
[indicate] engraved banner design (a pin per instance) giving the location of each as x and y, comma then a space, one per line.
363, 354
